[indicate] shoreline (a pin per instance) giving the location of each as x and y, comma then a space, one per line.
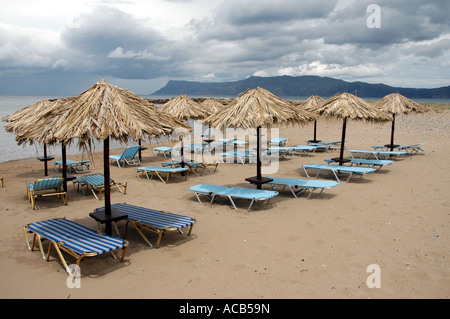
396, 218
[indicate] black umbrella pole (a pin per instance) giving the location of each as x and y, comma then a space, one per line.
344, 128
108, 226
258, 156
64, 166
392, 132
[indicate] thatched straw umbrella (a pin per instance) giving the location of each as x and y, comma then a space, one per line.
309, 104
253, 109
183, 108
348, 106
104, 111
35, 124
396, 103
211, 106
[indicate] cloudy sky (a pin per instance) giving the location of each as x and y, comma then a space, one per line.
61, 47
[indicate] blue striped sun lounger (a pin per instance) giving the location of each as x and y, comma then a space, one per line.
164, 150
376, 154
211, 191
75, 166
298, 185
160, 170
45, 187
153, 220
365, 162
96, 182
72, 238
339, 169
129, 156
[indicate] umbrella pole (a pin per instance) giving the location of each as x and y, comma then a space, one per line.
392, 132
106, 173
341, 159
258, 156
45, 160
64, 166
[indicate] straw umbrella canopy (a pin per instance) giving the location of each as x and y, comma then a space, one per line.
309, 104
253, 109
348, 106
396, 103
183, 108
104, 111
35, 124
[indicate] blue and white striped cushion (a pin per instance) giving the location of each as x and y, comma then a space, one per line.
75, 236
47, 183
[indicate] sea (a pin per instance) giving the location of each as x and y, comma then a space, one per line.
10, 150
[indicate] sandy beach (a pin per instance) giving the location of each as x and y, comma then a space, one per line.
397, 218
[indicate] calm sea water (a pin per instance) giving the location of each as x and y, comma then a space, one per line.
9, 150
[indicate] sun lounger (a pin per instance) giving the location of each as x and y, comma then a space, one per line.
128, 156
75, 166
153, 220
75, 239
297, 185
164, 150
339, 169
45, 187
96, 182
193, 166
376, 154
410, 149
365, 162
160, 170
241, 156
232, 192
278, 141
312, 147
331, 145
282, 151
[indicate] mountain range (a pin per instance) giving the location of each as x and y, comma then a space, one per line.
293, 86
